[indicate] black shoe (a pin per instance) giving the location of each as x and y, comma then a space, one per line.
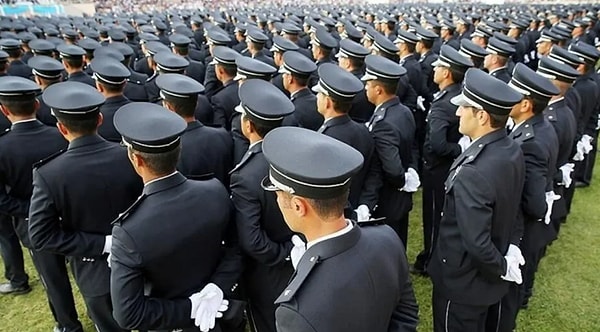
418, 271
8, 288
581, 184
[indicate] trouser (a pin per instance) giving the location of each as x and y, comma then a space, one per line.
53, 273
433, 205
449, 316
12, 254
395, 207
510, 309
532, 261
420, 130
590, 161
100, 311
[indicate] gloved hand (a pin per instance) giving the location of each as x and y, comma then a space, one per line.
513, 272
108, 260
464, 143
362, 213
207, 305
420, 103
566, 171
580, 152
550, 198
107, 244
586, 140
297, 250
412, 181
515, 252
510, 124
598, 123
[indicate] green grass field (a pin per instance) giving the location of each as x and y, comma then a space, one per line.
567, 291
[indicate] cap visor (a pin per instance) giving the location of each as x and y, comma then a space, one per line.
440, 63
213, 62
282, 70
239, 77
368, 77
461, 100
240, 109
318, 88
267, 185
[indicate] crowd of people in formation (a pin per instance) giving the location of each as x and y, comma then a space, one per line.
254, 168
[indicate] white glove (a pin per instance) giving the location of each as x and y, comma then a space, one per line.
586, 141
580, 154
513, 272
420, 103
550, 198
108, 260
362, 213
598, 123
510, 124
208, 304
107, 244
412, 181
297, 250
566, 171
515, 252
464, 143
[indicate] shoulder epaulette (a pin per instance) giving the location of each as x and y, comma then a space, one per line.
47, 159
119, 220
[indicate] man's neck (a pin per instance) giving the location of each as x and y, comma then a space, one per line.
295, 88
112, 94
72, 71
322, 228
523, 117
384, 99
149, 177
444, 84
15, 118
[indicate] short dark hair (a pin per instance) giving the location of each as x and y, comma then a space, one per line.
230, 70
20, 106
112, 88
257, 46
301, 80
160, 163
457, 75
3, 65
356, 62
182, 50
326, 51
14, 52
539, 104
74, 62
85, 126
411, 47
388, 86
496, 120
427, 43
185, 107
341, 106
331, 207
263, 129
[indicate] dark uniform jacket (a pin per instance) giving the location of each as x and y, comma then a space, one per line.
205, 151
539, 143
415, 76
483, 194
329, 292
261, 56
25, 144
361, 109
263, 236
152, 90
44, 114
562, 119
75, 198
19, 68
501, 74
195, 70
305, 113
107, 128
441, 138
156, 265
224, 102
135, 88
588, 90
427, 70
82, 77
357, 136
211, 83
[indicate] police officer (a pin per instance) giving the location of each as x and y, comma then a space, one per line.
111, 78
16, 66
426, 59
134, 89
474, 51
162, 60
46, 71
226, 98
214, 38
72, 59
539, 143
256, 41
165, 263
296, 72
21, 148
263, 235
280, 46
206, 151
393, 129
181, 46
328, 284
323, 45
66, 216
482, 202
351, 57
441, 145
496, 60
336, 91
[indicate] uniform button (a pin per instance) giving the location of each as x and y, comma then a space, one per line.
528, 134
313, 258
287, 292
527, 126
442, 213
480, 145
444, 260
550, 117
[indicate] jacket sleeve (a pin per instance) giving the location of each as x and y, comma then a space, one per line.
219, 116
131, 308
405, 316
474, 204
12, 206
533, 200
438, 135
288, 319
387, 143
253, 239
45, 228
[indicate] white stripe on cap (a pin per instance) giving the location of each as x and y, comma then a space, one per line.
99, 77
312, 185
335, 91
529, 89
549, 73
485, 101
77, 112
247, 110
173, 94
157, 146
35, 72
381, 75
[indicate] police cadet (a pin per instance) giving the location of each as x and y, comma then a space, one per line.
247, 68
280, 46
20, 148
68, 218
256, 41
206, 151
134, 89
539, 143
239, 34
181, 46
351, 57
16, 66
214, 38
426, 59
496, 60
441, 145
162, 60
72, 59
296, 72
263, 235
474, 51
46, 71
323, 45
393, 129
156, 266
447, 34
563, 120
226, 98
326, 292
472, 262
110, 76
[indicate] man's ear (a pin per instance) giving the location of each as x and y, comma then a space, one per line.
300, 206
4, 111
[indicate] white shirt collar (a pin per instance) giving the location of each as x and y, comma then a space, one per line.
158, 179
517, 125
555, 101
341, 232
253, 144
495, 70
22, 121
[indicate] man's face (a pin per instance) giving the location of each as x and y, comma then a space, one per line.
488, 61
468, 121
438, 74
370, 91
544, 47
478, 40
284, 201
321, 102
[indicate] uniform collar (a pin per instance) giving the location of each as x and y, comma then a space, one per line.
85, 141
496, 70
341, 232
164, 183
194, 125
300, 93
25, 124
116, 99
551, 102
